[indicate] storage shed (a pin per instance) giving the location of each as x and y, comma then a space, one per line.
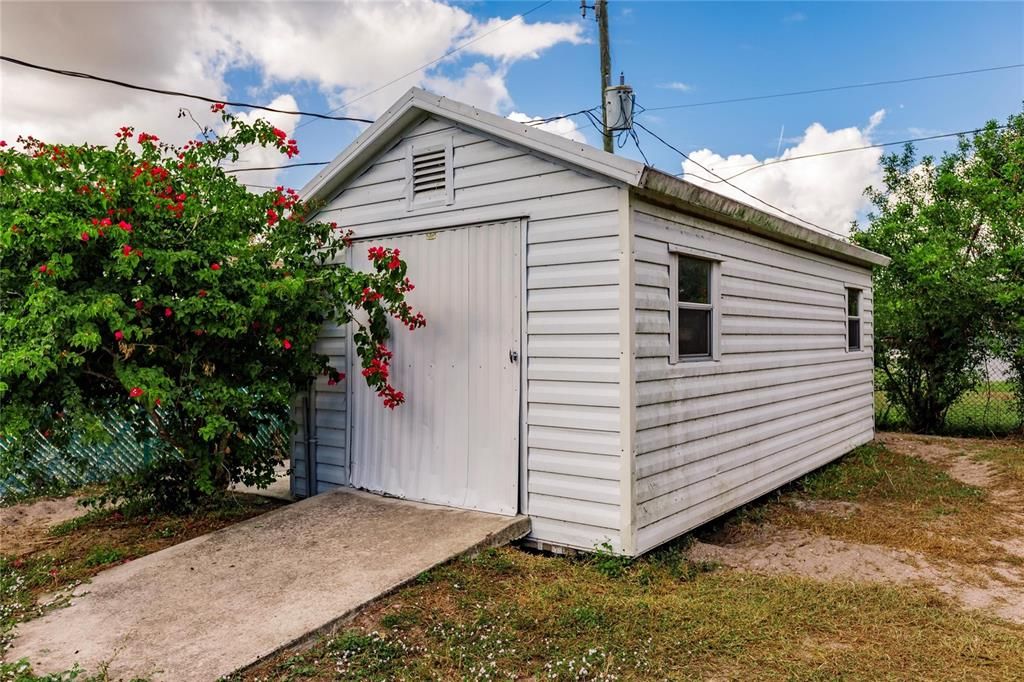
613, 351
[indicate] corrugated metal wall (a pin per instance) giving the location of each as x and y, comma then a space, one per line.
785, 398
456, 439
573, 345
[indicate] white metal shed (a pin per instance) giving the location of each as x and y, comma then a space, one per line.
615, 352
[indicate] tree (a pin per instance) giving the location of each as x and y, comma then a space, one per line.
953, 229
143, 281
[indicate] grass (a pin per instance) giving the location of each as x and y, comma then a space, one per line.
510, 614
1006, 456
897, 500
74, 551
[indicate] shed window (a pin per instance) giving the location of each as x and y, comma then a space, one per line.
853, 332
695, 308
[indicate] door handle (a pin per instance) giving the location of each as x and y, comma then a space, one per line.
513, 356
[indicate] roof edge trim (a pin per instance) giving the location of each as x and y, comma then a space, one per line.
659, 187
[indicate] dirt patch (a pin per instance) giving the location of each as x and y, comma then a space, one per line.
944, 453
23, 527
775, 551
922, 510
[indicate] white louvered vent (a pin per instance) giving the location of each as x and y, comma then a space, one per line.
428, 171
430, 176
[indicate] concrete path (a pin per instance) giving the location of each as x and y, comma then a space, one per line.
209, 606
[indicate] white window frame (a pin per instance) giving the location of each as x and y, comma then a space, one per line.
714, 304
859, 317
446, 199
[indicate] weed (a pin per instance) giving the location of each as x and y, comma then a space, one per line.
607, 562
400, 620
99, 556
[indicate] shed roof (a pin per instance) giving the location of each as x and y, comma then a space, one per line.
648, 182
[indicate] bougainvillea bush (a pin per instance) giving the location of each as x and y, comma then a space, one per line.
141, 280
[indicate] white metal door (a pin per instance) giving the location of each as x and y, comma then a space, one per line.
455, 441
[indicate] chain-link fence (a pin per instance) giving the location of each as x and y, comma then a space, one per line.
990, 409
49, 468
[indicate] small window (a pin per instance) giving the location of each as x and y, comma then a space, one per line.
853, 319
695, 314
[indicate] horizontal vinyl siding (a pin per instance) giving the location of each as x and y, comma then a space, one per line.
785, 396
331, 413
572, 342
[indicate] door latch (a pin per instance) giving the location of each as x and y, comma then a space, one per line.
513, 356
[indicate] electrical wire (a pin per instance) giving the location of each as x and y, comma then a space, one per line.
324, 163
740, 189
835, 88
175, 93
772, 162
447, 54
270, 168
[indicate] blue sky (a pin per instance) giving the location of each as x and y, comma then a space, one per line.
316, 55
728, 49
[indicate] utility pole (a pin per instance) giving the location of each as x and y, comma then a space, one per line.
600, 8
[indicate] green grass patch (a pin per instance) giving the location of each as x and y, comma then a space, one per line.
557, 618
873, 472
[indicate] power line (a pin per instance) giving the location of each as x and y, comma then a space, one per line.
175, 93
269, 168
447, 54
835, 88
539, 121
772, 162
726, 181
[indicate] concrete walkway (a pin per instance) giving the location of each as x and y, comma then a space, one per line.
207, 607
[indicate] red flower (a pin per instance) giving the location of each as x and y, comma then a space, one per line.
215, 266
168, 312
280, 134
43, 269
139, 305
202, 293
146, 137
85, 236
118, 335
272, 216
126, 249
217, 108
287, 344
127, 227
135, 392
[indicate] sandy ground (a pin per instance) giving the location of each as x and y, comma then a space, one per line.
998, 590
23, 526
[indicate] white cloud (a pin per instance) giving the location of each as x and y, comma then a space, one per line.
676, 85
255, 156
566, 127
479, 86
826, 190
519, 40
343, 50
